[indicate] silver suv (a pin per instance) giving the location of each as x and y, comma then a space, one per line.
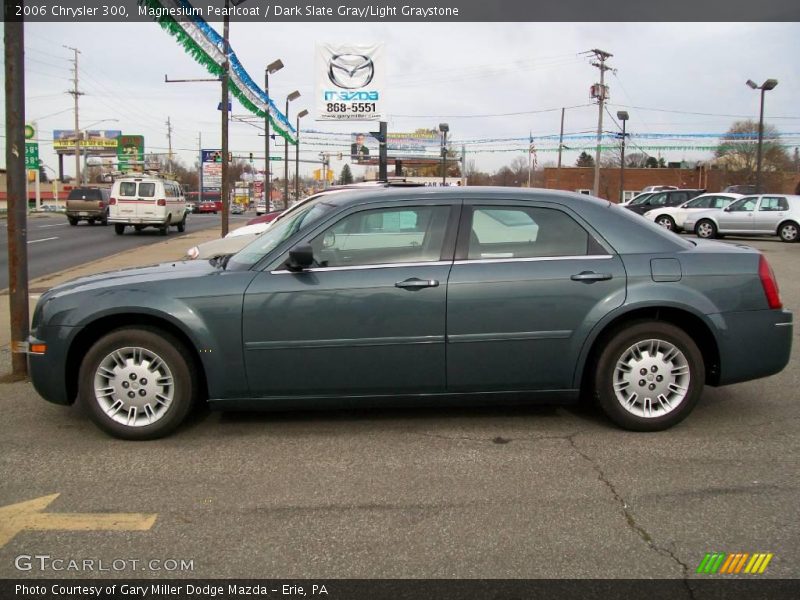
765, 214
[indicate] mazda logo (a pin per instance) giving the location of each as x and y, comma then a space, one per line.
351, 71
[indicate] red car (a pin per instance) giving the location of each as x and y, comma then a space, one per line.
265, 218
209, 206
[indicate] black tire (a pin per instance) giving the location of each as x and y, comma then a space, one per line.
177, 360
119, 228
666, 222
182, 224
164, 229
706, 229
789, 232
688, 363
104, 220
72, 221
91, 221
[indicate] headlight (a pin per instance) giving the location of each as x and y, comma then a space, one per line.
649, 214
193, 253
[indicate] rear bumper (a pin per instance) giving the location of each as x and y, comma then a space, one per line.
753, 344
136, 221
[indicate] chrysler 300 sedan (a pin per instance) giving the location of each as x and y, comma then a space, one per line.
419, 295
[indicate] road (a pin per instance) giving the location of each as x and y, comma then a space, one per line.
532, 492
54, 246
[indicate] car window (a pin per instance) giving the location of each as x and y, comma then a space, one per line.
701, 202
85, 194
677, 198
147, 190
657, 199
721, 202
640, 199
127, 188
382, 236
744, 204
772, 203
521, 232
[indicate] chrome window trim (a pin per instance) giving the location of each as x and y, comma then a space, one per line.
432, 263
485, 261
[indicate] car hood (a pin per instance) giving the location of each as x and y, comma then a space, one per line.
131, 276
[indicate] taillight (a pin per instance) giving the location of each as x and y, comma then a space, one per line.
100, 204
769, 283
161, 202
112, 201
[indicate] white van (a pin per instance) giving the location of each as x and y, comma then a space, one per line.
147, 201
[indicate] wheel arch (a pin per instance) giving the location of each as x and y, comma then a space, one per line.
691, 323
784, 222
93, 331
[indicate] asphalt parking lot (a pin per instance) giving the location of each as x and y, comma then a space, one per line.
535, 492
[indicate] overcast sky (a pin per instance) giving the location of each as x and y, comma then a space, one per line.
435, 72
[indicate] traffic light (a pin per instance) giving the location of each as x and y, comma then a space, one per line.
251, 157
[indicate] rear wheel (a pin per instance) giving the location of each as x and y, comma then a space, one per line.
789, 232
182, 224
72, 221
649, 376
666, 222
104, 221
706, 229
119, 228
164, 229
137, 383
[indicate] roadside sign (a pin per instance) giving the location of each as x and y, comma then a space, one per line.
30, 131
31, 155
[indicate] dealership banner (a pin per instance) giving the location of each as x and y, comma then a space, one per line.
350, 82
130, 153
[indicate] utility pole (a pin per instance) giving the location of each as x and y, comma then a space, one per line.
75, 95
601, 94
225, 76
463, 165
17, 194
200, 169
560, 149
169, 142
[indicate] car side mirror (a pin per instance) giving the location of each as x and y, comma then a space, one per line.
300, 257
727, 209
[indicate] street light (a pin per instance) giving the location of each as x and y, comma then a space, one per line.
80, 178
444, 128
622, 116
291, 97
769, 84
300, 115
272, 68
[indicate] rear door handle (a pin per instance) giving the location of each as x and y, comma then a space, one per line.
590, 277
416, 284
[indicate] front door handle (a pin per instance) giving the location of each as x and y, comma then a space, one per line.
591, 277
416, 284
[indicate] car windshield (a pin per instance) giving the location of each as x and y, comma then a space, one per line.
640, 199
280, 230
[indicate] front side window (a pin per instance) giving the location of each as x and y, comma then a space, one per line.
744, 204
521, 232
657, 200
703, 202
720, 202
147, 190
383, 236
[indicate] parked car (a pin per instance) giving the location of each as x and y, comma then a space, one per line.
440, 294
659, 188
744, 190
673, 217
147, 201
237, 209
265, 218
662, 199
88, 204
768, 214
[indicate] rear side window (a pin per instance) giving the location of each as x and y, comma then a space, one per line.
517, 232
773, 204
147, 190
127, 188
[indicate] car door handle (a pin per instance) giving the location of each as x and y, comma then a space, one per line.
590, 276
415, 283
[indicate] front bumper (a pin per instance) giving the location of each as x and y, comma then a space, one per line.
48, 371
770, 331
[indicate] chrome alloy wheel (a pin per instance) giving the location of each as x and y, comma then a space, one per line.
134, 386
705, 229
651, 378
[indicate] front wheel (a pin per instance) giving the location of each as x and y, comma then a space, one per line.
649, 376
137, 383
666, 222
706, 229
789, 232
119, 228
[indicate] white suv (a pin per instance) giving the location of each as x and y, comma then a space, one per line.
147, 201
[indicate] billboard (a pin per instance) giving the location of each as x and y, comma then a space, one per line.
211, 173
94, 140
422, 143
350, 82
130, 152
